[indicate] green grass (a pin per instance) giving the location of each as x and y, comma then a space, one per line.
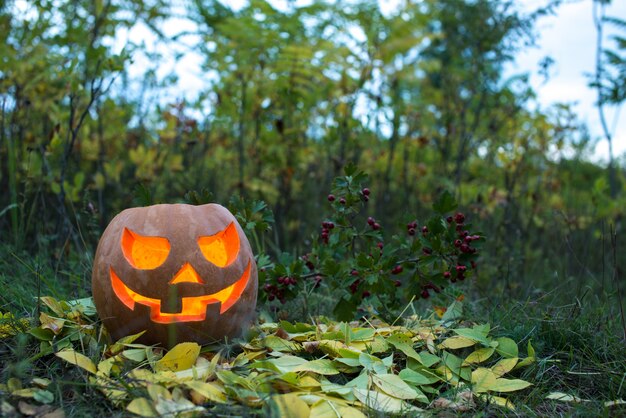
579, 344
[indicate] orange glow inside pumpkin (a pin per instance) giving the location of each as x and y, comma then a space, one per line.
143, 252
222, 248
186, 274
193, 308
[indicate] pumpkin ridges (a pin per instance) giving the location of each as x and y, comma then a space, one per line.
182, 225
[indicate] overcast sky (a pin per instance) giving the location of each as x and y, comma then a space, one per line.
569, 38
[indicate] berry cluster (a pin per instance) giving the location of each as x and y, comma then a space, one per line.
429, 286
365, 194
326, 227
277, 291
373, 224
463, 243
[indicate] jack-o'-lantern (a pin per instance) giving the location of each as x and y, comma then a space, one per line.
179, 272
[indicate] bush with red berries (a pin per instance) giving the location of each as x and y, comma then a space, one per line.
364, 268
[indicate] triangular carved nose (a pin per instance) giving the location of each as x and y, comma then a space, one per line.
186, 274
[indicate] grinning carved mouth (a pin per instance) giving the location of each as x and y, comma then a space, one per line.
193, 308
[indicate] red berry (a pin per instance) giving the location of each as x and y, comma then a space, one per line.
446, 274
424, 230
371, 221
365, 191
397, 283
310, 265
354, 272
397, 269
331, 197
376, 226
366, 198
342, 201
460, 268
449, 219
427, 251
270, 298
267, 287
459, 218
425, 294
331, 225
380, 245
457, 243
366, 294
465, 248
411, 231
473, 263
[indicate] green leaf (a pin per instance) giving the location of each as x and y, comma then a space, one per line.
320, 366
394, 386
509, 385
278, 344
43, 396
507, 347
420, 377
372, 363
383, 403
477, 335
453, 312
344, 310
282, 364
404, 343
445, 203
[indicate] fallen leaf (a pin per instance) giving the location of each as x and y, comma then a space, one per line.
142, 407
77, 359
181, 357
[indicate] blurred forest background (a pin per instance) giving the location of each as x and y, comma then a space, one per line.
416, 98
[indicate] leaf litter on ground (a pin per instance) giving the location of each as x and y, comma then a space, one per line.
325, 368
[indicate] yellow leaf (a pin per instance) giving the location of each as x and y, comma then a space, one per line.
181, 357
290, 405
504, 366
350, 412
53, 324
158, 392
141, 407
77, 359
483, 380
54, 305
479, 355
500, 401
456, 342
208, 390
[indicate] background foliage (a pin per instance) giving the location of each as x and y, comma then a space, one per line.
416, 98
292, 100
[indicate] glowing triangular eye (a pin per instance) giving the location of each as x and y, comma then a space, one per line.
143, 252
222, 248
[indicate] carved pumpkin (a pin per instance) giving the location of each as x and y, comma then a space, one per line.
179, 272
